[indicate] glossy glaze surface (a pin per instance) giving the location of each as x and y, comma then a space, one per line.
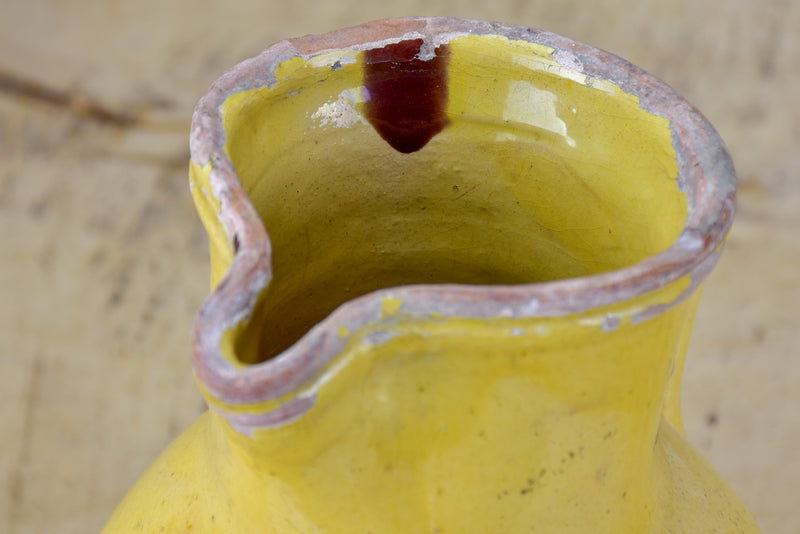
539, 174
498, 392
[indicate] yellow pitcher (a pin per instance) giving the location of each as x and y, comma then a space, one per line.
454, 269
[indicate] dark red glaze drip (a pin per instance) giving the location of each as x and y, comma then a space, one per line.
406, 95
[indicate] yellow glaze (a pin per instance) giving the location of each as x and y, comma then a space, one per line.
585, 184
432, 424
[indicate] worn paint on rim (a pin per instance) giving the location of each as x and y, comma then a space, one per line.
705, 175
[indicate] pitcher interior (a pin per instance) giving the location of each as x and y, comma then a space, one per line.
536, 173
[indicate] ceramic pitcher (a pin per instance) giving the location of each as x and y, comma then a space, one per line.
454, 267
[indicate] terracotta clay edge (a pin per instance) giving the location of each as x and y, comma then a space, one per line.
705, 175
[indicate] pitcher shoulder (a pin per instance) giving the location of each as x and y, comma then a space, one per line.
691, 497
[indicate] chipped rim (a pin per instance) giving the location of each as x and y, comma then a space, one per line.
705, 175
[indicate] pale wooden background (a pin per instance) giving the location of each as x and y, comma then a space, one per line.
103, 262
